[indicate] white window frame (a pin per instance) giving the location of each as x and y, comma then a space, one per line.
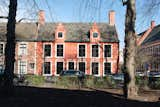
103, 67
98, 50
63, 50
98, 68
104, 50
68, 64
62, 35
44, 50
19, 49
50, 69
56, 67
85, 50
85, 66
95, 37
19, 66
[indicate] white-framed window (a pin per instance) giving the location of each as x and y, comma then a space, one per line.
47, 68
82, 66
82, 50
47, 50
95, 51
59, 67
1, 48
95, 68
22, 49
22, 67
95, 35
107, 51
32, 66
70, 65
60, 34
107, 68
59, 50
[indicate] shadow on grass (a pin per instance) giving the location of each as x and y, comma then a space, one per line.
49, 97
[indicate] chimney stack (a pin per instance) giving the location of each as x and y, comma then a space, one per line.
112, 17
153, 24
41, 17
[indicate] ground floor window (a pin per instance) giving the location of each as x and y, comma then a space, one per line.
82, 66
107, 68
71, 66
95, 68
22, 67
59, 67
47, 68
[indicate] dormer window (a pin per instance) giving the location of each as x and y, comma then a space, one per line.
60, 35
95, 35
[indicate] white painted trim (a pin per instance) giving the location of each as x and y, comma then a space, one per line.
56, 67
44, 50
103, 67
85, 50
19, 43
85, 65
62, 35
19, 66
71, 61
91, 50
104, 50
63, 50
50, 69
98, 68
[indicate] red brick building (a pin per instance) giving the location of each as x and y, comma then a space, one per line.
149, 43
47, 48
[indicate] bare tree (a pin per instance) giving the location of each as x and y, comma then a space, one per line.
10, 46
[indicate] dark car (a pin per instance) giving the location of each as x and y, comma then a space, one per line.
72, 73
154, 74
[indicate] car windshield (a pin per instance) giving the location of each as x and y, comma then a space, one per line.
70, 72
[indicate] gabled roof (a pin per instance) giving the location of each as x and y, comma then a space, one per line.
75, 32
153, 36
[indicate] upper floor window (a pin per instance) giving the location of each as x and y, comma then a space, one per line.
95, 35
95, 51
59, 50
107, 51
22, 49
1, 49
81, 50
47, 50
60, 35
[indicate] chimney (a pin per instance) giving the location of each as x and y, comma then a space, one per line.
41, 17
153, 24
112, 17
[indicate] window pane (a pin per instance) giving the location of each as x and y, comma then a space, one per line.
47, 68
107, 51
47, 50
71, 66
1, 49
81, 50
82, 66
22, 67
60, 50
23, 49
59, 67
95, 68
60, 34
107, 68
95, 35
95, 51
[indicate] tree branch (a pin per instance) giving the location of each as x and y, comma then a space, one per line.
124, 2
3, 17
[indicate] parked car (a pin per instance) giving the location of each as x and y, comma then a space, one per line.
154, 74
72, 73
141, 74
118, 77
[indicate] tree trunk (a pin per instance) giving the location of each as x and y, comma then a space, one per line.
130, 88
10, 46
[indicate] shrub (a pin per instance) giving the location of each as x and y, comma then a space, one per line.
35, 80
